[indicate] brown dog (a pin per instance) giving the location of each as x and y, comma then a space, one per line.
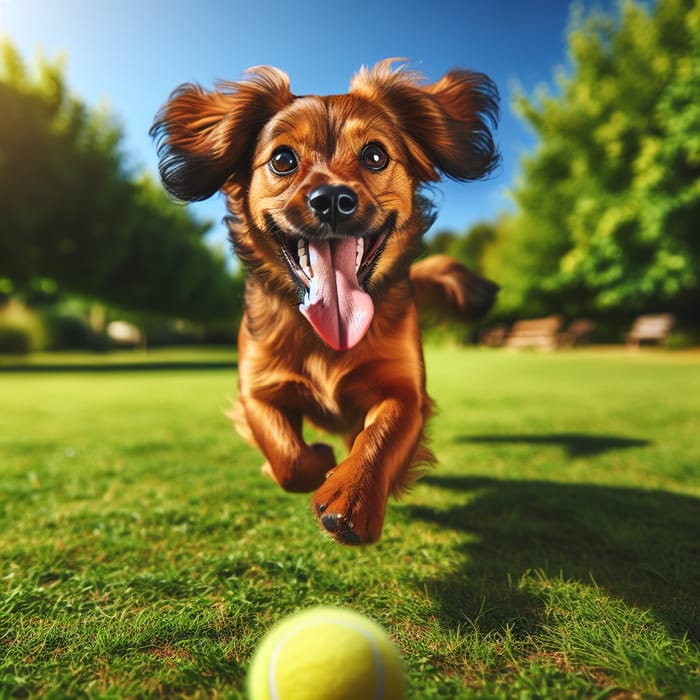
327, 216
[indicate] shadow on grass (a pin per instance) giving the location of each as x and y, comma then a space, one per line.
575, 444
641, 546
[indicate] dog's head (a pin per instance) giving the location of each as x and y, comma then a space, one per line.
324, 190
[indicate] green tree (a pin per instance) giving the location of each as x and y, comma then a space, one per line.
74, 218
469, 247
610, 200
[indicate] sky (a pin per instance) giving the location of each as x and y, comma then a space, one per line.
128, 56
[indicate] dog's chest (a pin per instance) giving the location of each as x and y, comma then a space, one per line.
327, 397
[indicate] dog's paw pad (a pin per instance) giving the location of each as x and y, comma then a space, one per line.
339, 526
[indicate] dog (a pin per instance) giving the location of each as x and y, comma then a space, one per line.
327, 211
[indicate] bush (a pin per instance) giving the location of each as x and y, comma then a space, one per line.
71, 332
14, 340
682, 338
21, 330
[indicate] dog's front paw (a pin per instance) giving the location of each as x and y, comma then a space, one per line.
306, 473
325, 458
348, 514
338, 525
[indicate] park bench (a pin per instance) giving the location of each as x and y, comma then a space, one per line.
650, 328
577, 332
540, 333
493, 336
126, 333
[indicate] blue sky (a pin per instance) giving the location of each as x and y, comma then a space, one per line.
130, 54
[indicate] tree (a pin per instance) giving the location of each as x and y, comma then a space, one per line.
73, 215
610, 200
469, 248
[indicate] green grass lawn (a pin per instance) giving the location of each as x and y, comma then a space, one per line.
553, 553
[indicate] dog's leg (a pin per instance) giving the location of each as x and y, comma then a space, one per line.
351, 502
445, 289
293, 464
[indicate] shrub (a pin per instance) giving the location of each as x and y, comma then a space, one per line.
71, 332
14, 340
21, 330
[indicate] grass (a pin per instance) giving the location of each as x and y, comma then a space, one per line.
554, 552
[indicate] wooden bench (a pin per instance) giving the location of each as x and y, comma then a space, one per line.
650, 328
540, 333
577, 332
494, 336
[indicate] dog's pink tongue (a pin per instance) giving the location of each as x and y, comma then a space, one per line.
335, 305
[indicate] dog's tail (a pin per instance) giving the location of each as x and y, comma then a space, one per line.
447, 290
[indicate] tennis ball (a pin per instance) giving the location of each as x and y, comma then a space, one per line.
326, 653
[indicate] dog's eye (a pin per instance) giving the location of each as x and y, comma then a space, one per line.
374, 157
283, 161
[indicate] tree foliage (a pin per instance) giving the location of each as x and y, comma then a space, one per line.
74, 217
609, 202
470, 248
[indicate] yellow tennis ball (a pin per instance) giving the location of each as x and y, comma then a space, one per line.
326, 653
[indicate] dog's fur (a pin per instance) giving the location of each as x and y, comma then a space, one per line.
338, 347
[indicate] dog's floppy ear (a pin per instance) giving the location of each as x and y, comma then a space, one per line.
447, 124
206, 138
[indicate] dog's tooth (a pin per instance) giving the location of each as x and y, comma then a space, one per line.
303, 254
360, 252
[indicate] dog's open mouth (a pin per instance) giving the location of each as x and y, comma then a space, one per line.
333, 273
298, 253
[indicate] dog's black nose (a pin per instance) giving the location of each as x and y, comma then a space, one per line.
333, 203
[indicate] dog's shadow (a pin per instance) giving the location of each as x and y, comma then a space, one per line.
642, 546
574, 444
